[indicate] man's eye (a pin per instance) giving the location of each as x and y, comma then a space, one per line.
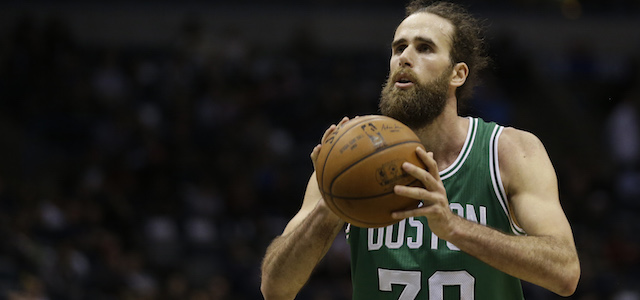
424, 48
400, 48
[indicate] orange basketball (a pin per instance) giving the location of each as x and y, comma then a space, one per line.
359, 164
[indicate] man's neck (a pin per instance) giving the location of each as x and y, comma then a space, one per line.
445, 136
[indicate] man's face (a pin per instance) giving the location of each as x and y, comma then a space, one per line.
420, 70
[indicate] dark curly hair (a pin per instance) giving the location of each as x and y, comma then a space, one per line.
467, 43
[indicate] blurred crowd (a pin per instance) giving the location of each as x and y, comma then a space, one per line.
163, 173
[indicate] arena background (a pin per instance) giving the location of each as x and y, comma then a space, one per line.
152, 149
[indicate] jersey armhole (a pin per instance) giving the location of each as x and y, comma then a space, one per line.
496, 179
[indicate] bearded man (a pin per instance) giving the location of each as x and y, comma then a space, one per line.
491, 215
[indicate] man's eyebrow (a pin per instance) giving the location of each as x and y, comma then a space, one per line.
424, 40
395, 43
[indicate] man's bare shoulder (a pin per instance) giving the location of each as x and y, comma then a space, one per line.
514, 143
520, 155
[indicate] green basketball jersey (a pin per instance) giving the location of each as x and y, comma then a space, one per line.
407, 261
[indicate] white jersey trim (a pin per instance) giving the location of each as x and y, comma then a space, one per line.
496, 179
464, 153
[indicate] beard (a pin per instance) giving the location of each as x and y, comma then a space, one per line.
418, 106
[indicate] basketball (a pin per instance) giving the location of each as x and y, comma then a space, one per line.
359, 164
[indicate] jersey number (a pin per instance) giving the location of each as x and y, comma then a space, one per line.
412, 283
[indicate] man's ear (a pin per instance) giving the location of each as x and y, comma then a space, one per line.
460, 73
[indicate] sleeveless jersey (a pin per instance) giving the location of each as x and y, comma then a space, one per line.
407, 261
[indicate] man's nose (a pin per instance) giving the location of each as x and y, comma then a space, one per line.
405, 59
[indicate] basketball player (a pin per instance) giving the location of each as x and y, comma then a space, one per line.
491, 215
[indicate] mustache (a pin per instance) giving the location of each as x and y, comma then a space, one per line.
403, 73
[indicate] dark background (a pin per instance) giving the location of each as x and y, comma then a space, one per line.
153, 149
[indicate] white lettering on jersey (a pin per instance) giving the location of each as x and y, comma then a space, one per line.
389, 242
417, 242
394, 239
377, 243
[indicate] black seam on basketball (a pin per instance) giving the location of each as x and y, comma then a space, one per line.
369, 224
358, 161
372, 196
364, 119
341, 211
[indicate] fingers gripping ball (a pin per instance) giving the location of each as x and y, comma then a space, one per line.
359, 164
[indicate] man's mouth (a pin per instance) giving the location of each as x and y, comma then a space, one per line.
403, 81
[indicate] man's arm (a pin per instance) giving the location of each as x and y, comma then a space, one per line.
547, 255
292, 256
